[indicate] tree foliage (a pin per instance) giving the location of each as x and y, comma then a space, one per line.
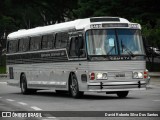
25, 14
145, 12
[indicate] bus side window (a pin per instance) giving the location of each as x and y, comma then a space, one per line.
64, 39
81, 47
51, 41
9, 47
58, 40
72, 49
47, 41
35, 43
13, 46
24, 44
77, 48
61, 40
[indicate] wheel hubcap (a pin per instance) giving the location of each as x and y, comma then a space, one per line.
23, 87
74, 86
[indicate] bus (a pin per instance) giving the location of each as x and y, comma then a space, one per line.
97, 54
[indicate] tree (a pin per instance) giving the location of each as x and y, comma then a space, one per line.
146, 12
25, 14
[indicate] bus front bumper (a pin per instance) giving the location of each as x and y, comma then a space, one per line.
116, 86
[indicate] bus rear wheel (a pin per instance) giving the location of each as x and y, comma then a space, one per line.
23, 85
122, 94
73, 87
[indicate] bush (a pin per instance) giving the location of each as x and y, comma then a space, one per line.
2, 69
2, 64
153, 67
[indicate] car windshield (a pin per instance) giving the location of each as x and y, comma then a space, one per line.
114, 42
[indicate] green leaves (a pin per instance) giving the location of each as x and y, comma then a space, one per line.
25, 14
145, 12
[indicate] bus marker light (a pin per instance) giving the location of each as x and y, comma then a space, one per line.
92, 76
145, 74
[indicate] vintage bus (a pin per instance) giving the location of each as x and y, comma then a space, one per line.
98, 54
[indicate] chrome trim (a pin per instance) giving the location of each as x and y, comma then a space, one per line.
46, 83
106, 90
38, 51
115, 83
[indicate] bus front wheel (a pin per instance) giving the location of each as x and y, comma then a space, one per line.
73, 87
122, 94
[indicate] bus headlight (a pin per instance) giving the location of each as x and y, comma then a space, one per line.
101, 76
137, 75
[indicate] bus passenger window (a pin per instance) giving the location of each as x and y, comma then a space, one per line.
51, 41
81, 47
64, 39
35, 43
72, 51
61, 40
47, 41
77, 48
24, 44
58, 41
13, 46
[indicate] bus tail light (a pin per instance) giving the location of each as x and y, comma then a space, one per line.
92, 76
145, 74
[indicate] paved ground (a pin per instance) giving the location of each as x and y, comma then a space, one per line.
12, 100
156, 59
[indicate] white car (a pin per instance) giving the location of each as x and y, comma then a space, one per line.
156, 51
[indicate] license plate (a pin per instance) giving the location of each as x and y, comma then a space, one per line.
120, 75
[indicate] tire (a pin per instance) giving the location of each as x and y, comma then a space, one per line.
73, 87
23, 85
122, 94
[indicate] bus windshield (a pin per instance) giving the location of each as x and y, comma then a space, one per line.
114, 42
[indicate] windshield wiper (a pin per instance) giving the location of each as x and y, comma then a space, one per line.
127, 50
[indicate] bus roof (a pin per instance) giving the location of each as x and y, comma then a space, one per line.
76, 24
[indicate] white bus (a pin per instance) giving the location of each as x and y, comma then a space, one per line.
99, 54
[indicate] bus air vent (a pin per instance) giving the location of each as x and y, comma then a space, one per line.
109, 19
115, 25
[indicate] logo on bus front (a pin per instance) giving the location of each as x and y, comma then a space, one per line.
119, 74
119, 57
